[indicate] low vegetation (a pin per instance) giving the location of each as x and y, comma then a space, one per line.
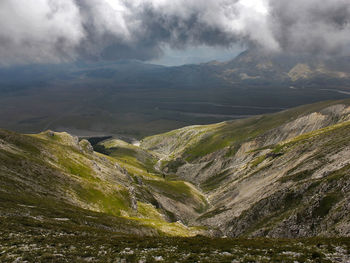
279, 176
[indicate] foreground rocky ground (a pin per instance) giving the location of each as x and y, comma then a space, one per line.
62, 233
34, 244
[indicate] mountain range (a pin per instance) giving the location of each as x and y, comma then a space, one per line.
259, 68
281, 175
137, 99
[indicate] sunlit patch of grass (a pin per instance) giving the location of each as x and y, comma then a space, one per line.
149, 211
108, 201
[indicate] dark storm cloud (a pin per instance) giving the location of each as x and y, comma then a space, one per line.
146, 26
41, 31
311, 26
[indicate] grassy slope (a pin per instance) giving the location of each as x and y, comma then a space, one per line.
36, 226
54, 199
228, 134
128, 153
50, 171
141, 163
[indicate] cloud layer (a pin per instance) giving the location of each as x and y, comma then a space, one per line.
46, 31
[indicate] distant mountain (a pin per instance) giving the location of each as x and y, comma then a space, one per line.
138, 99
256, 67
251, 66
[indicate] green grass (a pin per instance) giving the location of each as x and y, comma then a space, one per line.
23, 142
173, 165
108, 202
52, 176
212, 213
177, 190
338, 174
314, 135
128, 153
59, 171
149, 211
75, 167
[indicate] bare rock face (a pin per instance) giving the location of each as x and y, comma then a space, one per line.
50, 133
133, 198
61, 137
86, 146
286, 180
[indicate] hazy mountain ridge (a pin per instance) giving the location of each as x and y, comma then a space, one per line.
254, 66
250, 65
137, 99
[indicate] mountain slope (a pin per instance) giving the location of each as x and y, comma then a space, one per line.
39, 173
253, 66
280, 175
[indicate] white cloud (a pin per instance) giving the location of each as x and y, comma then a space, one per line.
40, 31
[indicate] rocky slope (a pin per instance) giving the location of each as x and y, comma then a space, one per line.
280, 175
273, 176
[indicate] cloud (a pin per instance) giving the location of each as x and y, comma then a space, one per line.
311, 26
38, 31
46, 31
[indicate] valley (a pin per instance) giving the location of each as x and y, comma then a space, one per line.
195, 131
137, 99
283, 176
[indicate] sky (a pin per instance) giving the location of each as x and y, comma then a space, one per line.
169, 32
196, 55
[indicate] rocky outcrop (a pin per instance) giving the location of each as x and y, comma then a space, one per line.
86, 146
